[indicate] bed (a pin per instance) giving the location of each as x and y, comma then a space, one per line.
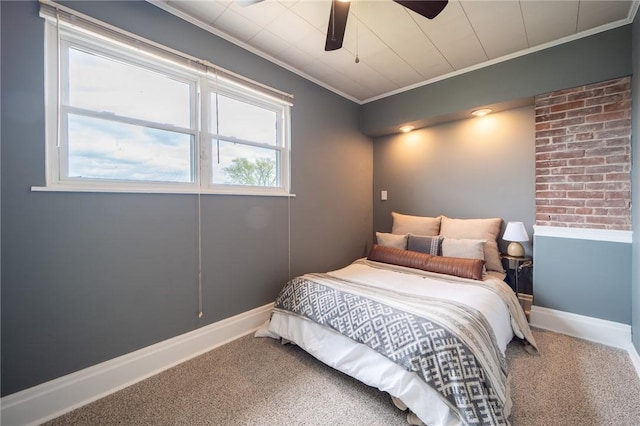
430, 330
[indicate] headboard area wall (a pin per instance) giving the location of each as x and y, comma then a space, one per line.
474, 168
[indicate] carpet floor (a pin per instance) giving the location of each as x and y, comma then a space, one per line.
258, 381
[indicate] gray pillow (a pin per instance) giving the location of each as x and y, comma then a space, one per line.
424, 244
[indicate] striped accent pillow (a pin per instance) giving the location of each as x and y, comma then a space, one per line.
424, 244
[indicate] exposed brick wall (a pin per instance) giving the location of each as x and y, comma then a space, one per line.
583, 156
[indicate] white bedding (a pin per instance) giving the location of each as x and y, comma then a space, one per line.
407, 286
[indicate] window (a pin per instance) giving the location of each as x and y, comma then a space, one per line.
122, 118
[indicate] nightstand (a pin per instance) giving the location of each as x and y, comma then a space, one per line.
516, 264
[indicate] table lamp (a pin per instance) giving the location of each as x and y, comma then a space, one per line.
516, 233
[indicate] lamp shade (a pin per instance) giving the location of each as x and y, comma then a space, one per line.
515, 232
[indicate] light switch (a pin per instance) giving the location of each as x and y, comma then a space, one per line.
383, 195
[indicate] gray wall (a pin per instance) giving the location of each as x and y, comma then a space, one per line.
599, 57
88, 277
584, 277
635, 187
444, 172
474, 168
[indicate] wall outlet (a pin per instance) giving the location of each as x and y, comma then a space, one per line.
383, 195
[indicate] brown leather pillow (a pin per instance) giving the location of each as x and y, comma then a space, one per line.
457, 266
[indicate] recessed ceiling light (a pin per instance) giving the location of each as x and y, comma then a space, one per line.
405, 129
481, 112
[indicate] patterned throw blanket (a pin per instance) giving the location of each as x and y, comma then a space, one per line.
453, 348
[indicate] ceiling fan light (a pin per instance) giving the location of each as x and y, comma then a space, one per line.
406, 129
481, 112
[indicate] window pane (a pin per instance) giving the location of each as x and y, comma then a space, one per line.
101, 84
244, 121
105, 149
237, 164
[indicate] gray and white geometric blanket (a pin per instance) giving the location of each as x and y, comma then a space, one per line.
453, 349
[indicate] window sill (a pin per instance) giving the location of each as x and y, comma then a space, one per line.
98, 189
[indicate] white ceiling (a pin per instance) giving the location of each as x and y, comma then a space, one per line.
399, 49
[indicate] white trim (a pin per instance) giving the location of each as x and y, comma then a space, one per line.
611, 235
597, 330
51, 399
159, 190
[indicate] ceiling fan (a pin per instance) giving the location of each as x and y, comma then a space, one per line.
340, 11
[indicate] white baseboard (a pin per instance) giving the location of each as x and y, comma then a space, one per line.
51, 399
588, 328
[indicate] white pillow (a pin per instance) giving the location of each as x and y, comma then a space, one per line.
392, 240
469, 249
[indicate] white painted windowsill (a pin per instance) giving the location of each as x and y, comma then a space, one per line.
164, 190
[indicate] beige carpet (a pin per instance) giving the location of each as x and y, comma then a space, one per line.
260, 382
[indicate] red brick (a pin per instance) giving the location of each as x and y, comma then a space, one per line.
552, 132
612, 133
617, 176
546, 116
569, 218
589, 144
609, 99
586, 161
607, 186
606, 203
618, 123
567, 106
561, 139
567, 186
585, 194
584, 136
550, 164
619, 212
584, 128
617, 159
605, 152
551, 178
568, 171
551, 147
622, 105
543, 126
585, 94
606, 116
583, 211
623, 86
624, 141
602, 169
584, 111
608, 220
586, 178
567, 202
617, 195
567, 122
552, 210
551, 100
551, 194
542, 202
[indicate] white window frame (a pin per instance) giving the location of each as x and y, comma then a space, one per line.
203, 83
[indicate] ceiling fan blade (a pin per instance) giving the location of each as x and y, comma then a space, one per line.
337, 25
428, 8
